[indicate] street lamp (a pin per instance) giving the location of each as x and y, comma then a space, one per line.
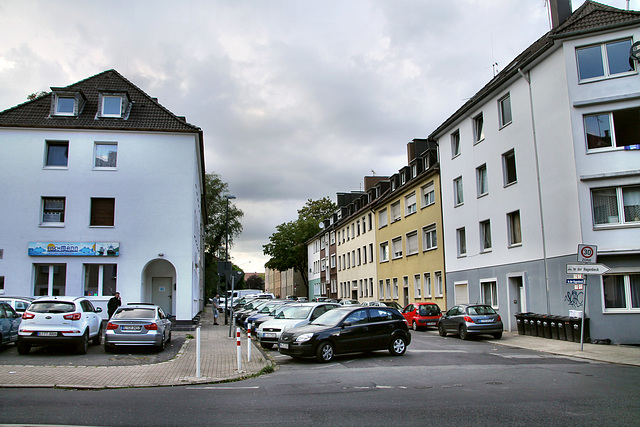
226, 255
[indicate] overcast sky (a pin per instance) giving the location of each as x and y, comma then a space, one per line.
297, 99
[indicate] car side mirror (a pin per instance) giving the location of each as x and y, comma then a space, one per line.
346, 324
99, 310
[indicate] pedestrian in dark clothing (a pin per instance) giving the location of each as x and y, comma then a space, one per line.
113, 304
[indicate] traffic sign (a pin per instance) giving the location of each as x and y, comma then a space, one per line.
587, 253
575, 281
597, 269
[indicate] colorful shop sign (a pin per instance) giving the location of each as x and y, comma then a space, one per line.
74, 248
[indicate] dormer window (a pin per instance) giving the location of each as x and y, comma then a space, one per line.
66, 106
67, 102
114, 105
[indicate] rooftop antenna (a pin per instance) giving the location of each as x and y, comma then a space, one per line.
495, 68
373, 172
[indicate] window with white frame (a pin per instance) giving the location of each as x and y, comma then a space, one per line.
412, 243
396, 246
364, 254
485, 236
395, 211
395, 288
105, 154
53, 210
489, 291
50, 280
514, 228
458, 196
57, 154
112, 106
613, 129
381, 289
478, 128
429, 237
65, 105
417, 286
388, 283
370, 252
461, 238
439, 284
609, 203
100, 279
410, 204
504, 110
621, 292
102, 211
604, 60
455, 143
427, 285
332, 237
359, 257
382, 218
428, 194
509, 167
481, 179
333, 261
384, 251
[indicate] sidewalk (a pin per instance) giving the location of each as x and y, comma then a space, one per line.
218, 362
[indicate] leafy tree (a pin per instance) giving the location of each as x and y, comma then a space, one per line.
287, 247
254, 281
35, 95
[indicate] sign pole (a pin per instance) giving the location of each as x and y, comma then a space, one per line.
231, 323
584, 314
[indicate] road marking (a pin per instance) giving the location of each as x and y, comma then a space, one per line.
436, 351
518, 356
223, 388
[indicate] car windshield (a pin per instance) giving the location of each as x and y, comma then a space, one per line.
135, 313
295, 312
330, 318
52, 307
480, 310
428, 310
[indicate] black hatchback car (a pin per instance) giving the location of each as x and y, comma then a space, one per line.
349, 329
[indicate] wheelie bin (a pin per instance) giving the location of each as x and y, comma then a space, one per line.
553, 326
546, 326
576, 325
568, 328
540, 325
520, 317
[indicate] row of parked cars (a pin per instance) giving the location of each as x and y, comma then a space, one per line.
322, 329
76, 322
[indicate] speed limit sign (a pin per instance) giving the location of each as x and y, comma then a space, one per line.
587, 253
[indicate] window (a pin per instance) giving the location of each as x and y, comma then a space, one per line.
53, 210
50, 279
428, 194
332, 237
57, 153
380, 289
509, 167
458, 197
429, 238
455, 144
359, 257
461, 237
65, 105
2, 284
481, 178
395, 288
607, 204
397, 247
619, 128
102, 211
333, 261
410, 204
489, 293
370, 252
384, 251
412, 243
105, 155
621, 292
485, 236
504, 110
478, 128
427, 285
439, 284
395, 211
388, 283
382, 218
100, 280
364, 254
604, 60
111, 106
417, 286
513, 228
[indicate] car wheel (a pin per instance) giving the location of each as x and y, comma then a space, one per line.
169, 339
266, 345
464, 335
325, 352
398, 346
97, 340
162, 344
414, 325
497, 335
83, 345
23, 348
441, 330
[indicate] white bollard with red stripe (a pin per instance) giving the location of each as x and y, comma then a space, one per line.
249, 328
239, 350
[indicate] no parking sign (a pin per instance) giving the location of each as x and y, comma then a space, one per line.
587, 253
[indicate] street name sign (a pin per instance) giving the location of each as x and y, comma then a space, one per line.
597, 269
575, 281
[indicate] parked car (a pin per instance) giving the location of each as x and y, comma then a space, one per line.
265, 311
348, 302
348, 329
248, 310
465, 320
19, 304
292, 316
138, 325
60, 320
420, 315
272, 314
9, 324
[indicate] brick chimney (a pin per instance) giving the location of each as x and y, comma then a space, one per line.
560, 11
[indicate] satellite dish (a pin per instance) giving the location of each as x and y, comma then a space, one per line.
321, 225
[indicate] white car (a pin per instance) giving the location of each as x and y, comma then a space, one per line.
60, 320
19, 304
293, 315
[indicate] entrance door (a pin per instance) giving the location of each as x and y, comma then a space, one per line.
161, 293
518, 305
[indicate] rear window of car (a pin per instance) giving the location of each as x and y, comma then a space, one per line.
429, 310
480, 310
52, 307
135, 313
294, 313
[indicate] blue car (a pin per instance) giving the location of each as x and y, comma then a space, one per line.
9, 323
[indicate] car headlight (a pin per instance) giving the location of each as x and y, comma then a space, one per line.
304, 337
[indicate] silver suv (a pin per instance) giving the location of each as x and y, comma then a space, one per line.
60, 320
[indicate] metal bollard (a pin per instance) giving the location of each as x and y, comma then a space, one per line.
239, 350
198, 352
249, 328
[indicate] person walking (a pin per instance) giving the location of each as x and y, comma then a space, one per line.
216, 304
113, 304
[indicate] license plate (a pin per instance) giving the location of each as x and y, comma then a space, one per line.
269, 335
47, 334
430, 323
486, 320
130, 328
284, 345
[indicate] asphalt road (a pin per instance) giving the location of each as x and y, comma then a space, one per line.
439, 381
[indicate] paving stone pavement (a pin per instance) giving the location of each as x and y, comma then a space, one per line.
218, 362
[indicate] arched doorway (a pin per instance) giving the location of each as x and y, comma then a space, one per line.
159, 284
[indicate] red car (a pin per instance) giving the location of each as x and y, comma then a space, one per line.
420, 315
